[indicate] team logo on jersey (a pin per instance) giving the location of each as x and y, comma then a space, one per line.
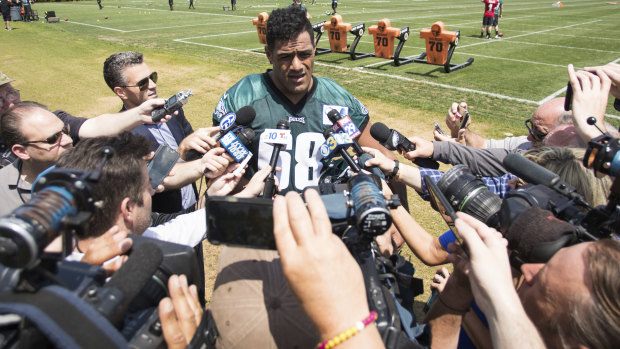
327, 108
220, 108
299, 119
364, 110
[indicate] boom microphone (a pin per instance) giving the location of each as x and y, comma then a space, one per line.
270, 183
114, 298
393, 140
529, 171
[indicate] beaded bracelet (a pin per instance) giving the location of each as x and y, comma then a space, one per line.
348, 333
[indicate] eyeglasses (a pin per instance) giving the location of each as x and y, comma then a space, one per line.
10, 97
53, 138
143, 84
537, 135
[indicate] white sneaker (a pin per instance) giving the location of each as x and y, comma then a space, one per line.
497, 36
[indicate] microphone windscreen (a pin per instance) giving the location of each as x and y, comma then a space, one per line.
529, 171
328, 132
536, 235
333, 116
245, 115
380, 132
131, 278
246, 136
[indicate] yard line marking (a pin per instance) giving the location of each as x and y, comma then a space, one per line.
214, 35
532, 33
220, 47
477, 55
585, 37
96, 26
363, 71
613, 116
562, 46
181, 26
556, 93
552, 96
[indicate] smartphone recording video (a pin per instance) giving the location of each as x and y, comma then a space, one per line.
245, 222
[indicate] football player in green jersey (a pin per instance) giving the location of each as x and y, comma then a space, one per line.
290, 91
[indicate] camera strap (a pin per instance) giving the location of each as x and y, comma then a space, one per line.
64, 319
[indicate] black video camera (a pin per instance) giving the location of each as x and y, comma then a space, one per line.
122, 309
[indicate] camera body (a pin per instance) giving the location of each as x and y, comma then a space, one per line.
63, 204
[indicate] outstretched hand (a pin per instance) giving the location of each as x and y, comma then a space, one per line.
319, 268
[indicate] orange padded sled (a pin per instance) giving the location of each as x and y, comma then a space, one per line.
261, 26
337, 33
384, 36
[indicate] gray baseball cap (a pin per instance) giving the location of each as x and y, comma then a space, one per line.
5, 79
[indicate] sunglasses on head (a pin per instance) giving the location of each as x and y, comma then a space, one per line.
53, 138
537, 135
143, 84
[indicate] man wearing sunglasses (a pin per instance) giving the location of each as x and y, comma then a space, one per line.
102, 125
37, 138
538, 126
131, 79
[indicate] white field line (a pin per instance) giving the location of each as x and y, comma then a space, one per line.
214, 35
183, 26
561, 46
479, 7
531, 33
96, 26
558, 92
163, 10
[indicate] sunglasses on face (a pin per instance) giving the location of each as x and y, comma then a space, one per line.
53, 139
537, 135
143, 84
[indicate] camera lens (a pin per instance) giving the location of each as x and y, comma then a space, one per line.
468, 194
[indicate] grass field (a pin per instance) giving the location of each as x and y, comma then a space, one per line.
209, 49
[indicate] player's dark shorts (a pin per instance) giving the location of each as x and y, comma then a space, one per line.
496, 20
487, 20
334, 4
6, 15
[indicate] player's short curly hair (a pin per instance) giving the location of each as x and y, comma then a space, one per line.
287, 23
114, 66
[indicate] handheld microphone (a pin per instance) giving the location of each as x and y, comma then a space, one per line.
279, 141
235, 143
230, 121
243, 117
337, 144
393, 140
346, 125
114, 298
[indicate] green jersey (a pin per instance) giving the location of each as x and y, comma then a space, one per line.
301, 161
